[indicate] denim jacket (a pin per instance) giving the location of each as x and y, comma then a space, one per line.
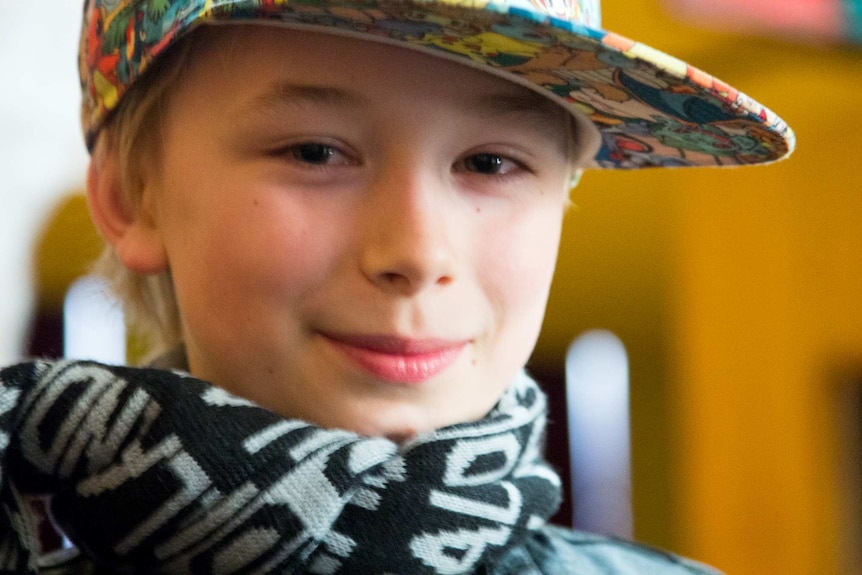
558, 551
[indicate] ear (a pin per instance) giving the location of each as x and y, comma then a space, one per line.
128, 226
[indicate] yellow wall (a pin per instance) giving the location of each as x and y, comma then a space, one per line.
739, 296
65, 249
769, 312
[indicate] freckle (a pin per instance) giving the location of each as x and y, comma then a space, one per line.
478, 210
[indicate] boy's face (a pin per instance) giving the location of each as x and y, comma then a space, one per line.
359, 236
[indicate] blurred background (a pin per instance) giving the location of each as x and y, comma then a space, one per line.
735, 295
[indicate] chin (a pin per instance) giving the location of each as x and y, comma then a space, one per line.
396, 426
399, 433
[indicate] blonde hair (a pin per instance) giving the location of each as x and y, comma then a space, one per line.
134, 133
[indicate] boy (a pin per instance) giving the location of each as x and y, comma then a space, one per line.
340, 220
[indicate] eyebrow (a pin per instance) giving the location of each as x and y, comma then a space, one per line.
280, 94
534, 108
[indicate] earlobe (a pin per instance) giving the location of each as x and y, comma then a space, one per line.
125, 224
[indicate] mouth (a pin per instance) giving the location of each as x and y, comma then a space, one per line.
398, 360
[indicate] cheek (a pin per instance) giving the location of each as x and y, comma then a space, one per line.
254, 260
518, 265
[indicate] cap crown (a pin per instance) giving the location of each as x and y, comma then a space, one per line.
120, 37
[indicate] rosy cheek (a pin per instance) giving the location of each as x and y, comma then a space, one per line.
292, 249
273, 259
518, 260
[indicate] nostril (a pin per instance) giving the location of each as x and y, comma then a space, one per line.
395, 280
406, 282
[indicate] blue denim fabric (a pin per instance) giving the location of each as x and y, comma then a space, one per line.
558, 551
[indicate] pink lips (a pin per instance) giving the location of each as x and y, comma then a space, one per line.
396, 359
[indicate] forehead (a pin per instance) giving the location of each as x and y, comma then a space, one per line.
264, 67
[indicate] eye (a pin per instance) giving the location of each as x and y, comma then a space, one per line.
312, 153
490, 164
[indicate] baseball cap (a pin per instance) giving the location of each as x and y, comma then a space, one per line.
648, 108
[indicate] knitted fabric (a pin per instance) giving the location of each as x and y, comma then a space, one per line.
153, 471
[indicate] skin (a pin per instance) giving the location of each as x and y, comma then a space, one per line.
317, 197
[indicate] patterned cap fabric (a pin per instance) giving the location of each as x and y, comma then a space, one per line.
651, 110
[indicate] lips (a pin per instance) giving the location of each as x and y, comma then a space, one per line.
398, 360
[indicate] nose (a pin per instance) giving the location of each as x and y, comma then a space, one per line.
409, 224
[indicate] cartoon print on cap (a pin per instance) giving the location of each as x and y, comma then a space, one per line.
652, 109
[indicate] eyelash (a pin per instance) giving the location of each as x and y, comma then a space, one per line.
502, 166
294, 153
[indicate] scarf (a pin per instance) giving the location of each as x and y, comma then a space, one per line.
150, 470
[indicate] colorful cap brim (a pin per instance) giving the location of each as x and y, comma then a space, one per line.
650, 109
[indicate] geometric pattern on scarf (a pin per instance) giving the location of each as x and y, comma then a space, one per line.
154, 471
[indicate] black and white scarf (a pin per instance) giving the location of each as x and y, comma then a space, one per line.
153, 471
